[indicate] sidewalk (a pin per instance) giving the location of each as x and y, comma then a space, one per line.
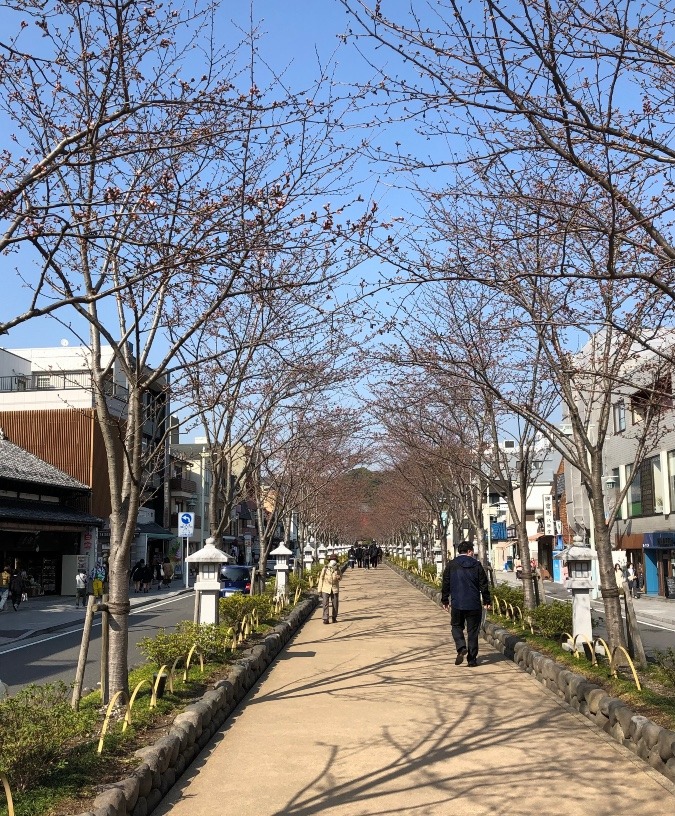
647, 608
49, 613
371, 716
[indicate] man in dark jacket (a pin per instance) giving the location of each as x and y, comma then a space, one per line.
465, 590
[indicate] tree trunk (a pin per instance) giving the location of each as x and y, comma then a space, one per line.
609, 590
527, 576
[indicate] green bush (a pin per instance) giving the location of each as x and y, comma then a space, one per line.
211, 640
233, 609
35, 725
510, 594
552, 619
666, 663
163, 648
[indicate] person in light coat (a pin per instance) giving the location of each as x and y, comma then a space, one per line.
329, 587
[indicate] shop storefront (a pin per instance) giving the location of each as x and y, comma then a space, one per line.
44, 551
659, 563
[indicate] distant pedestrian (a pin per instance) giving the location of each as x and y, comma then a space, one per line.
466, 591
136, 574
5, 578
372, 552
16, 589
630, 577
329, 587
81, 588
146, 577
351, 557
359, 556
97, 578
167, 573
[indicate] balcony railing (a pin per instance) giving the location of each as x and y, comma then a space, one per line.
183, 485
57, 381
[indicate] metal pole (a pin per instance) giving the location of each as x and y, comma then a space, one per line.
82, 659
186, 552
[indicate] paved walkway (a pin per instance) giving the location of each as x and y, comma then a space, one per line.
371, 716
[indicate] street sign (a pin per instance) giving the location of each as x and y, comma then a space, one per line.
186, 525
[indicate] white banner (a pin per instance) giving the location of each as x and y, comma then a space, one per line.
549, 521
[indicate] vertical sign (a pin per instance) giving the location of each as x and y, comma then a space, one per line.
549, 522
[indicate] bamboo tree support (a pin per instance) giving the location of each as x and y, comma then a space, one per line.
613, 665
8, 795
636, 648
153, 699
109, 711
568, 639
189, 658
82, 658
604, 646
588, 643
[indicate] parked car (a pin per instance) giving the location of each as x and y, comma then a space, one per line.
234, 579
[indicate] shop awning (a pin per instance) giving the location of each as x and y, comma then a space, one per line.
154, 530
44, 513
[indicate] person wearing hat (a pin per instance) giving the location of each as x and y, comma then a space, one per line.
329, 587
465, 591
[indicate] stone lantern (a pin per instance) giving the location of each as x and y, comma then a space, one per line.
579, 560
281, 554
322, 552
207, 583
407, 552
438, 557
308, 557
419, 556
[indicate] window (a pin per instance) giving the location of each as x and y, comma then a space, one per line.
671, 477
634, 492
619, 410
644, 404
645, 494
42, 381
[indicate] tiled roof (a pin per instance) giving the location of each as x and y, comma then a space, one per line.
17, 464
31, 511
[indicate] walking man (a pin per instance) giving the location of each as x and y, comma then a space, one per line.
466, 591
329, 587
80, 588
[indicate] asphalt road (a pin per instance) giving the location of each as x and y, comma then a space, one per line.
52, 657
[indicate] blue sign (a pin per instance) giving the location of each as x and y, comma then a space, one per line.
498, 530
186, 525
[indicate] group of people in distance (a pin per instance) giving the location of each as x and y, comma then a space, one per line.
366, 556
143, 574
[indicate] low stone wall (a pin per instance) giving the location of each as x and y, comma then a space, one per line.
163, 762
651, 742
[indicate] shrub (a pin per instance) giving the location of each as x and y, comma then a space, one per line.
211, 640
666, 663
233, 609
552, 619
35, 725
510, 594
163, 648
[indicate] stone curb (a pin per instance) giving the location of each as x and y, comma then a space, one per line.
652, 743
164, 761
